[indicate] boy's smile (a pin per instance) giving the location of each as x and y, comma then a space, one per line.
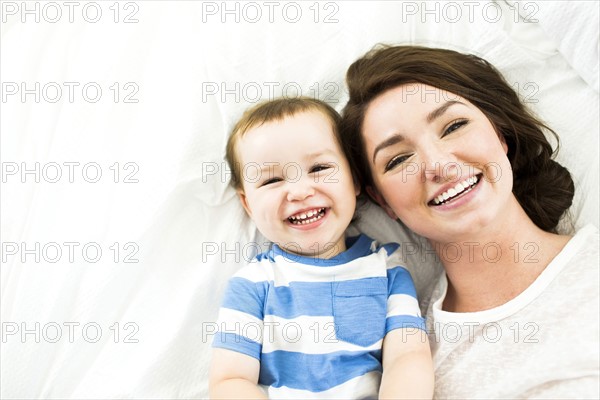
297, 184
308, 219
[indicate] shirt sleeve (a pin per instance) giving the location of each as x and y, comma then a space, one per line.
402, 305
240, 322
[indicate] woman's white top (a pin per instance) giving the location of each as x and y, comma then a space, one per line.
542, 344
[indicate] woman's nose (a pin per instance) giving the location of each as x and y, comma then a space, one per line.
439, 164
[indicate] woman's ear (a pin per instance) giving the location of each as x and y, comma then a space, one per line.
356, 188
244, 201
378, 198
502, 141
504, 145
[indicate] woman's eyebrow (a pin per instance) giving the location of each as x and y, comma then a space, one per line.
438, 112
397, 138
392, 140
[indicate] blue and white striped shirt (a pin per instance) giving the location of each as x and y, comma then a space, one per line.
317, 325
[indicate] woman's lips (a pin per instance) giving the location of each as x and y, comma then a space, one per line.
456, 192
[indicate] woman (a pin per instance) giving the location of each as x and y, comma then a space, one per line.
441, 142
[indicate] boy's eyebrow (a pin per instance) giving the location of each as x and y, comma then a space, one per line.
318, 153
269, 165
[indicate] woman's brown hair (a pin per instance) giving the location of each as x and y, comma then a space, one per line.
543, 187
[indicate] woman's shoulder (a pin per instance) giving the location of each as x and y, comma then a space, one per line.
571, 277
582, 250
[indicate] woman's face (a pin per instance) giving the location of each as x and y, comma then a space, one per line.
437, 162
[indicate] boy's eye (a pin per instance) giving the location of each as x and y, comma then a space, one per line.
454, 126
319, 168
395, 162
270, 181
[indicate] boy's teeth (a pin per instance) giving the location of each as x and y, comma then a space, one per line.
307, 217
457, 189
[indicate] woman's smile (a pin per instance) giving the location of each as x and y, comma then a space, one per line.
457, 194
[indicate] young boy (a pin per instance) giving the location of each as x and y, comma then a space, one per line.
316, 316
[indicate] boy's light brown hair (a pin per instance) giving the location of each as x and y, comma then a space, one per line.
273, 110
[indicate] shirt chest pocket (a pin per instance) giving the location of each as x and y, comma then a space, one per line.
359, 310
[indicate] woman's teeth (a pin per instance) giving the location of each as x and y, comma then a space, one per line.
456, 190
307, 217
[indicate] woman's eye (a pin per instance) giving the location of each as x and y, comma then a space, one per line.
319, 168
271, 181
395, 162
454, 126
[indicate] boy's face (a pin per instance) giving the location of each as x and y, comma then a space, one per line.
297, 184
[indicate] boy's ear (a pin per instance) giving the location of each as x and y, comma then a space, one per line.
378, 198
244, 201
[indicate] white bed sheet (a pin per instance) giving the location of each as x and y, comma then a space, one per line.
181, 218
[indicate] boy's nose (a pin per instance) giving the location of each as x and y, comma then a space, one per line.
299, 191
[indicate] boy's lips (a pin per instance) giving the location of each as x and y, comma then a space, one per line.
307, 216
